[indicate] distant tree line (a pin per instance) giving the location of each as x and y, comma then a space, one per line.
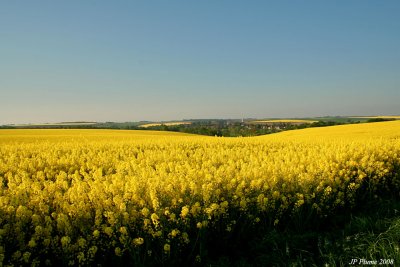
228, 128
380, 119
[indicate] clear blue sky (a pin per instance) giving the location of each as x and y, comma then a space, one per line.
166, 60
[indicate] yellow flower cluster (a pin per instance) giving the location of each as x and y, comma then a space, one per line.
72, 193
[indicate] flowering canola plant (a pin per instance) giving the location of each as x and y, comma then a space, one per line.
71, 196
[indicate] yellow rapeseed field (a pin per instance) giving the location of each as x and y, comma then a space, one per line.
70, 196
378, 117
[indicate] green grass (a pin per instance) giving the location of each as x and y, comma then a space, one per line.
370, 233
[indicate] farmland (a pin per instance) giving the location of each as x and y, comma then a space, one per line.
396, 117
84, 197
164, 123
213, 127
294, 121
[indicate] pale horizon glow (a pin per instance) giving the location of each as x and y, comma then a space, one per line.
162, 61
